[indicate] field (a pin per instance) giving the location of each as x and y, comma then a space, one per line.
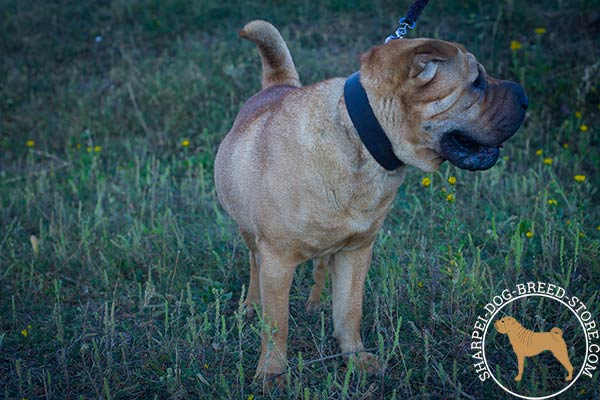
121, 276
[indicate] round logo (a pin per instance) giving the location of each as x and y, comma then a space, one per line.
535, 341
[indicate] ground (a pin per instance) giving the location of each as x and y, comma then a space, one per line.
120, 275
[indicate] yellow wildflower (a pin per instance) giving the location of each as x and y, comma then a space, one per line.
539, 31
515, 45
452, 180
598, 228
450, 198
581, 234
539, 152
89, 149
552, 202
578, 114
565, 145
30, 143
185, 142
529, 234
97, 149
583, 128
579, 178
24, 333
251, 397
420, 284
205, 366
548, 161
426, 181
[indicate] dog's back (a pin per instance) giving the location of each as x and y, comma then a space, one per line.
531, 343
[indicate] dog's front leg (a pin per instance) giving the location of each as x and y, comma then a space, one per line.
275, 278
348, 273
521, 363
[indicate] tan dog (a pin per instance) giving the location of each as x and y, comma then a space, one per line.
526, 343
300, 184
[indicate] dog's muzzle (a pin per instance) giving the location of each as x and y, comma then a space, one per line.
480, 152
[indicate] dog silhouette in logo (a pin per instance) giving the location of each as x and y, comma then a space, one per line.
527, 343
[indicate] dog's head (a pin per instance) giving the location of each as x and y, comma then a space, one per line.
505, 325
437, 103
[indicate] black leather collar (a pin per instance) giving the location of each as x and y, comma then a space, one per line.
365, 122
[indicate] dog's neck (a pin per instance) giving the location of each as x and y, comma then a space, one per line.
519, 333
366, 124
364, 159
372, 184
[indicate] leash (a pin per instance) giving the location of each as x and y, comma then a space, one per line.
410, 21
361, 114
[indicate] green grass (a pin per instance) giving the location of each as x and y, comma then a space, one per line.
134, 288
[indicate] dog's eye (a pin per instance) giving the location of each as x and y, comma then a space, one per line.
479, 83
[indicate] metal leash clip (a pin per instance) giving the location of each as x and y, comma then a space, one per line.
402, 30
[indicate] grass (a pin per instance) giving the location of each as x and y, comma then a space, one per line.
131, 286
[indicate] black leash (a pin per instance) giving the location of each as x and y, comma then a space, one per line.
410, 21
415, 11
357, 103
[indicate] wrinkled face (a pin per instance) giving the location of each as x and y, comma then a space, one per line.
437, 103
504, 325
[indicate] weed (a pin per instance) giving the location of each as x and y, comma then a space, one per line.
121, 277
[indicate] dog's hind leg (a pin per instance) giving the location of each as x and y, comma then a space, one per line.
253, 294
276, 274
320, 268
562, 356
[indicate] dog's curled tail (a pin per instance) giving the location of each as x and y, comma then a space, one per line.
556, 331
278, 66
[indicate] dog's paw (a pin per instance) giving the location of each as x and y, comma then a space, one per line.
518, 378
247, 308
369, 363
271, 383
313, 306
271, 372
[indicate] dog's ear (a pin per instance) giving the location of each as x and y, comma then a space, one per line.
387, 67
427, 57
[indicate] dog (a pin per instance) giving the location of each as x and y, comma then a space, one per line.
300, 183
527, 343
